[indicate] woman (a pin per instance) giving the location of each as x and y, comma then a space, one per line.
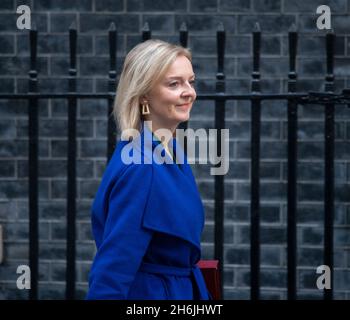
147, 217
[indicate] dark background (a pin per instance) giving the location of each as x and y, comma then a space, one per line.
92, 18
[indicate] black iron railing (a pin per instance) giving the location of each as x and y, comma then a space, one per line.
328, 98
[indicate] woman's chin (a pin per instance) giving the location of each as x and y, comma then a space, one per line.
182, 116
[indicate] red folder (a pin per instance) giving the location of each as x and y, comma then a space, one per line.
210, 271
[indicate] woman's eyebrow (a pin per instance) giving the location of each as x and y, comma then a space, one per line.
178, 77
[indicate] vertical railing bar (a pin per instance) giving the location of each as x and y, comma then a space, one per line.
71, 172
33, 168
255, 170
183, 42
146, 32
292, 168
329, 165
219, 179
111, 127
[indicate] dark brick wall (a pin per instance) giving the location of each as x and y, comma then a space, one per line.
93, 18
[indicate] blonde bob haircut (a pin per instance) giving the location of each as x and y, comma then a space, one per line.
144, 66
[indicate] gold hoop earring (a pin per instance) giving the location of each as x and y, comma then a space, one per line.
145, 109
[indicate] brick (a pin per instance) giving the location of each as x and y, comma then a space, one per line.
94, 67
234, 6
267, 6
207, 66
109, 5
20, 65
312, 257
270, 170
94, 108
273, 190
84, 209
7, 5
237, 213
8, 22
50, 251
228, 276
16, 250
101, 22
268, 23
342, 150
270, 130
268, 150
52, 210
242, 277
315, 46
88, 188
273, 278
96, 149
203, 6
310, 213
240, 256
58, 189
307, 279
310, 150
83, 271
7, 129
7, 169
239, 46
207, 251
164, 5
12, 189
84, 231
58, 272
268, 235
7, 44
8, 210
100, 128
341, 237
45, 292
269, 213
312, 236
271, 45
341, 279
60, 22
7, 86
238, 170
206, 188
271, 295
65, 5
311, 6
310, 192
236, 294
203, 45
205, 23
9, 271
159, 23
270, 256
102, 48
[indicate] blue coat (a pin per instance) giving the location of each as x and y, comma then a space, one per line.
147, 221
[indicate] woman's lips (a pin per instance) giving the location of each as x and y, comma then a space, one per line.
184, 106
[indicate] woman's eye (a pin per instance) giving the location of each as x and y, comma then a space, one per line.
192, 82
173, 84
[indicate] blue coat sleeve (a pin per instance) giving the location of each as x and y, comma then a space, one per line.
124, 240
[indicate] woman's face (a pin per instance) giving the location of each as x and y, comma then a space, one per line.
171, 100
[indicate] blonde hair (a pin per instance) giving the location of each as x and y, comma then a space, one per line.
144, 66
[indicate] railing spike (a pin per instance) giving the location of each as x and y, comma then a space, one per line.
146, 27
257, 27
183, 27
221, 27
293, 28
73, 25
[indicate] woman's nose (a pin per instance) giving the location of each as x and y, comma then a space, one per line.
189, 91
